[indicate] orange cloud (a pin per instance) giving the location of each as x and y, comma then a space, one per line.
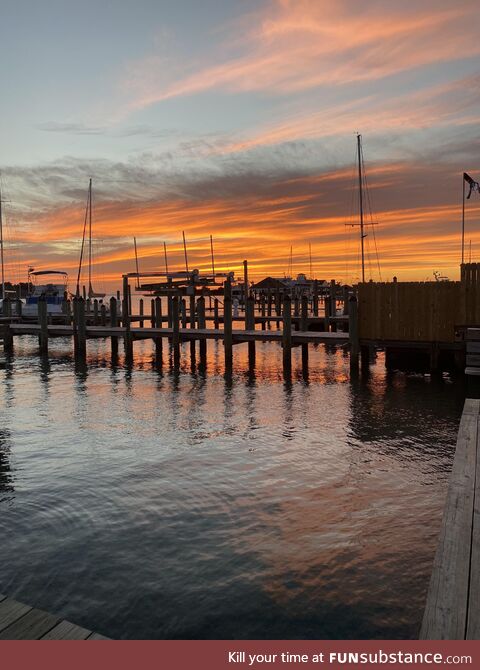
417, 212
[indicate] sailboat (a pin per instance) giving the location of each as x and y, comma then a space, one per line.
88, 218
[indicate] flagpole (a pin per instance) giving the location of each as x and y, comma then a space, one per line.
463, 220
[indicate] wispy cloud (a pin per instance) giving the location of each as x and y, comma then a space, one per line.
298, 45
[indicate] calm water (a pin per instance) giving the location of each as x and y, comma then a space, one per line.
147, 504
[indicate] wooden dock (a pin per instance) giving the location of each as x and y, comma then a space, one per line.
452, 610
23, 622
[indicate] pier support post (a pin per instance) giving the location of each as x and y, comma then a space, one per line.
113, 324
81, 329
245, 288
353, 332
140, 305
127, 338
315, 297
183, 312
43, 321
304, 328
95, 312
287, 335
192, 327
103, 315
152, 313
201, 326
175, 333
158, 323
216, 320
227, 327
250, 325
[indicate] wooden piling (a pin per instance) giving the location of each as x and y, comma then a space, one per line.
128, 342
315, 297
227, 326
353, 331
202, 324
192, 327
152, 313
113, 324
43, 321
176, 332
118, 297
216, 320
183, 312
158, 324
95, 312
103, 315
250, 325
140, 307
81, 329
287, 334
304, 328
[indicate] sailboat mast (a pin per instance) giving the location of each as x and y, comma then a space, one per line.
360, 189
166, 260
1, 247
90, 236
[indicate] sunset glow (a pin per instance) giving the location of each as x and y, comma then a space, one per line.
241, 124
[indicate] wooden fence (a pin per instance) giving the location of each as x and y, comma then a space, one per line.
420, 311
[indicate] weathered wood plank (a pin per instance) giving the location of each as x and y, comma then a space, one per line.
30, 626
10, 611
65, 630
445, 616
473, 614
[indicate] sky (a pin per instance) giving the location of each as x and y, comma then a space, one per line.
238, 119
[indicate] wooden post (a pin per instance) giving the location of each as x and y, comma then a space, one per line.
129, 298
250, 325
245, 288
7, 332
141, 312
95, 312
327, 305
216, 320
81, 329
118, 296
176, 332
113, 324
192, 327
315, 297
103, 315
158, 321
183, 312
202, 326
345, 301
152, 313
126, 305
304, 329
169, 303
84, 292
227, 327
287, 334
43, 321
353, 332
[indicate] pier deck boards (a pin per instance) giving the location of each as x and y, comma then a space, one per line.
298, 337
452, 610
23, 622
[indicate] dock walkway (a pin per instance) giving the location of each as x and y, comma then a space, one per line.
452, 610
23, 622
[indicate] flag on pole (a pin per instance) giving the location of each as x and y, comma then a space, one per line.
474, 185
